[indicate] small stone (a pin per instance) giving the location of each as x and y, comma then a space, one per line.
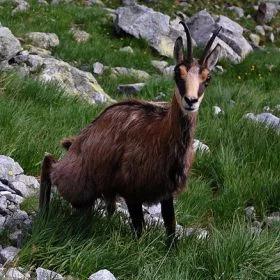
255, 39
169, 71
22, 6
103, 274
8, 254
199, 146
238, 11
250, 214
219, 69
98, 68
130, 89
45, 274
159, 64
160, 96
123, 71
266, 108
217, 110
266, 118
260, 30
273, 218
127, 49
79, 36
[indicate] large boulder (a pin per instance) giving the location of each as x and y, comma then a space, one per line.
155, 27
234, 46
9, 44
69, 78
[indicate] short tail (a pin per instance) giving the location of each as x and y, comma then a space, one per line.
45, 182
67, 142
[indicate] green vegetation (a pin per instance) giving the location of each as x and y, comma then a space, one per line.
242, 168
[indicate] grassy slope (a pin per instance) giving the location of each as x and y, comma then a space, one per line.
243, 167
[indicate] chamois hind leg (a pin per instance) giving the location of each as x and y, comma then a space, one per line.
168, 215
137, 217
45, 181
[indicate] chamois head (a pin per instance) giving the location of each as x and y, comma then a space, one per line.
192, 76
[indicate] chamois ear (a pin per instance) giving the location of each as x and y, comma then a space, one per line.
179, 51
213, 57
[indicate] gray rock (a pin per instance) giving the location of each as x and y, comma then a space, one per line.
250, 214
14, 274
127, 49
9, 45
130, 89
73, 81
239, 12
122, 71
234, 46
98, 68
80, 36
43, 40
219, 69
260, 30
155, 27
266, 118
8, 254
217, 111
266, 12
255, 39
22, 6
9, 168
159, 64
103, 274
169, 71
199, 146
45, 274
256, 228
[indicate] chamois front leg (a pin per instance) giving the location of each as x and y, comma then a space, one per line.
168, 215
136, 214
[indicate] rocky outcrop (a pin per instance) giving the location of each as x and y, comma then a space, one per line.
155, 27
234, 46
47, 68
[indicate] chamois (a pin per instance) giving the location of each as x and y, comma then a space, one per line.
134, 149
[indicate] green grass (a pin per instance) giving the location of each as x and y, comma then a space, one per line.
242, 168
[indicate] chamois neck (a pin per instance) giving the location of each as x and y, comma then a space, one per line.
182, 126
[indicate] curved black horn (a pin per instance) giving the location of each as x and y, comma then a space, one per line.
189, 42
209, 45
